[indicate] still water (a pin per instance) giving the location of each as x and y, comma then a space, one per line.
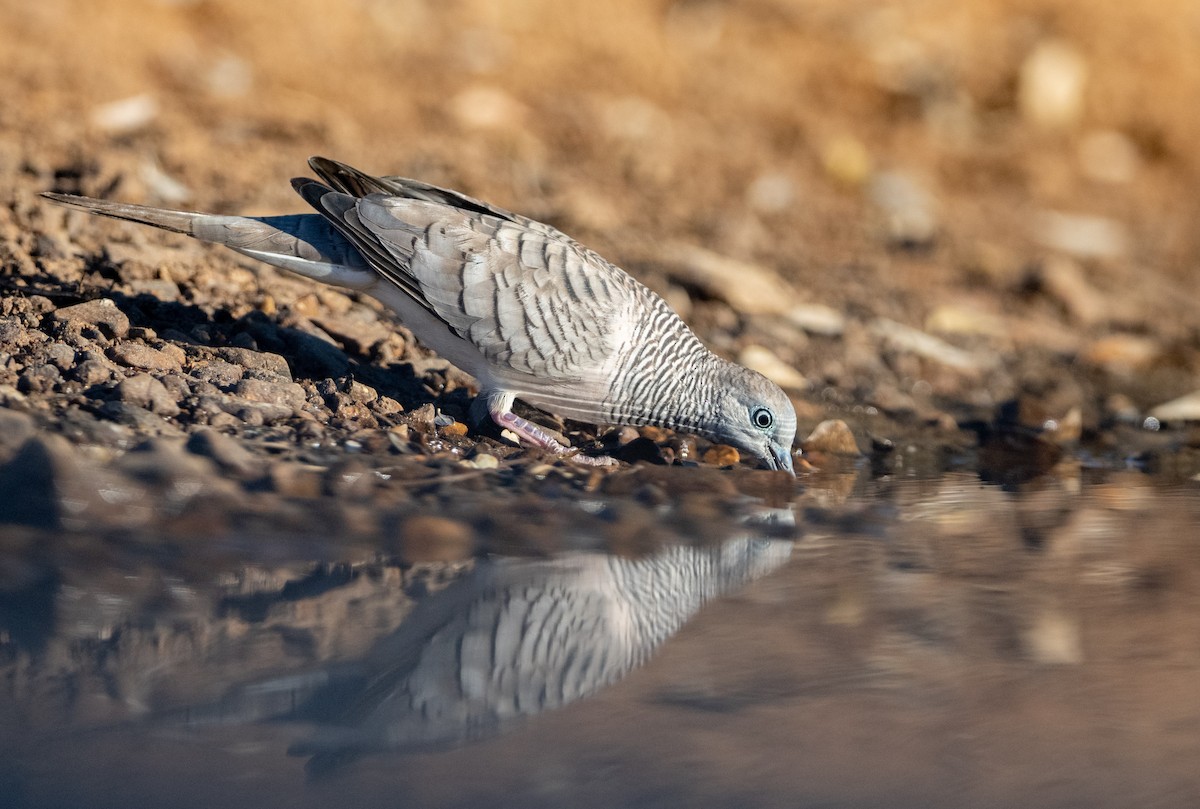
870, 644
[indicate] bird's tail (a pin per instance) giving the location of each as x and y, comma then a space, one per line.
305, 244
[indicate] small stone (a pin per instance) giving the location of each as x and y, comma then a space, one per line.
622, 435
484, 461
1124, 353
1051, 87
361, 393
833, 437
125, 115
229, 454
60, 355
143, 390
143, 357
847, 160
272, 364
101, 313
217, 372
762, 359
721, 455
1185, 408
456, 428
427, 538
651, 433
909, 210
1082, 235
1107, 156
906, 338
749, 288
1064, 280
13, 334
283, 394
15, 428
817, 318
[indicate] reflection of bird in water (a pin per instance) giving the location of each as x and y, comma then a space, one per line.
511, 639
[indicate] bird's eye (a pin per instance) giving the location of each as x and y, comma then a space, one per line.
762, 418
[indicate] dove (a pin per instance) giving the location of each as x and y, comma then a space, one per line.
526, 310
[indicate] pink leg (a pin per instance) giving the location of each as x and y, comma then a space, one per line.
498, 407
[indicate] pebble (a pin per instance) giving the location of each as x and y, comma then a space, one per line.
1063, 279
908, 208
1082, 235
456, 428
1050, 90
1124, 353
906, 338
1108, 156
1184, 408
272, 364
126, 115
143, 357
483, 460
749, 288
287, 395
229, 453
721, 455
762, 359
15, 428
143, 390
832, 436
101, 313
816, 318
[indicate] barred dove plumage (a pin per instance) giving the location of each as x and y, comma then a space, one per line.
523, 308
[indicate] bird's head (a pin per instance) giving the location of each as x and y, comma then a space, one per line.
754, 415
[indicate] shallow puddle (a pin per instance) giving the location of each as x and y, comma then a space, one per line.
872, 643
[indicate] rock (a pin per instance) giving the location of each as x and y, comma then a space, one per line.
749, 288
270, 364
1124, 353
143, 390
909, 210
44, 485
1185, 408
482, 107
721, 455
39, 379
906, 338
143, 357
761, 359
13, 334
832, 437
101, 313
454, 428
15, 428
482, 460
1064, 280
427, 538
817, 318
292, 479
284, 394
846, 160
60, 355
1051, 85
771, 193
1082, 235
125, 115
229, 454
955, 319
1108, 156
217, 372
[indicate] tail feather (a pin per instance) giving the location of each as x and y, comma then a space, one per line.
305, 244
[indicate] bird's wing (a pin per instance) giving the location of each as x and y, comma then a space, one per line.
530, 299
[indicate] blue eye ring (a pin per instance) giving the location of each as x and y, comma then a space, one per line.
762, 418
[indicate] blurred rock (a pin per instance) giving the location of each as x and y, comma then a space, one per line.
749, 288
1064, 280
908, 208
771, 193
955, 319
1123, 353
1082, 235
817, 318
126, 115
270, 364
1108, 156
15, 429
762, 359
287, 395
846, 160
906, 338
721, 455
229, 453
486, 108
832, 437
101, 313
1185, 408
1051, 85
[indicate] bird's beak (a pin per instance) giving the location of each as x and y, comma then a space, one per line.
780, 458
